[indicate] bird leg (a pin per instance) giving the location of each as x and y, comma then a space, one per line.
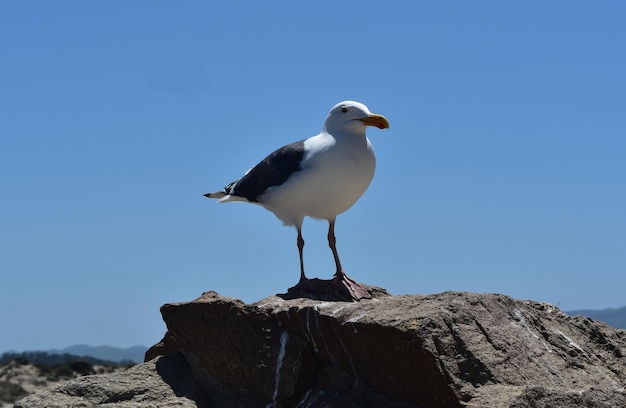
332, 242
300, 241
341, 281
341, 287
304, 283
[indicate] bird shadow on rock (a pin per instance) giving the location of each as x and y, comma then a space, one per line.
176, 372
327, 290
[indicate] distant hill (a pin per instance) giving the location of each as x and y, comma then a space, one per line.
47, 359
133, 354
612, 317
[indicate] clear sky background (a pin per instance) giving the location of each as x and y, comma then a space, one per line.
504, 169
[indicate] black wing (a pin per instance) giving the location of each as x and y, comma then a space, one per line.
274, 170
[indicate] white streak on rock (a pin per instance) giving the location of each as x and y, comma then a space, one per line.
572, 343
279, 363
308, 329
357, 317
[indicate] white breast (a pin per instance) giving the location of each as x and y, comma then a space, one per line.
335, 173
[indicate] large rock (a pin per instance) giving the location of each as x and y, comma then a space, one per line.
161, 383
445, 350
437, 351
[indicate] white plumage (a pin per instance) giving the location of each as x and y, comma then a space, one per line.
319, 177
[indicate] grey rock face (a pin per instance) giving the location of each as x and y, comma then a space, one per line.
437, 351
444, 350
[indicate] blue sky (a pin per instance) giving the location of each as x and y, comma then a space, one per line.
504, 169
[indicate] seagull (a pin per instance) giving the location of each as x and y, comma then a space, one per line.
320, 177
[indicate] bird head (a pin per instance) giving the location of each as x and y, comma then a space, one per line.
352, 117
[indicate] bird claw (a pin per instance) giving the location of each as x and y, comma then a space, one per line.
341, 287
350, 288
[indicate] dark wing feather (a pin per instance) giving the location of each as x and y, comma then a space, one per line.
274, 170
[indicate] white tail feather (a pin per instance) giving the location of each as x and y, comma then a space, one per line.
224, 198
228, 198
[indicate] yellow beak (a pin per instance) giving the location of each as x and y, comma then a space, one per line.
379, 121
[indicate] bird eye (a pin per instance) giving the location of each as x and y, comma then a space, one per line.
344, 109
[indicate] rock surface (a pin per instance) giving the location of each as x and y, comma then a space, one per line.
445, 350
161, 383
